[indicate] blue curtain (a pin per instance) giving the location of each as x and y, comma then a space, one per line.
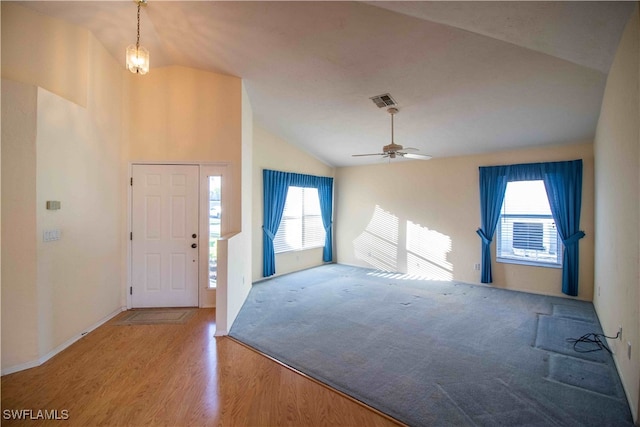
325, 192
275, 187
493, 184
563, 182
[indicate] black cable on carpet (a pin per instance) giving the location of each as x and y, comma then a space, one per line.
591, 339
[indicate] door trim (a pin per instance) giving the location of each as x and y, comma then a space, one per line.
207, 295
202, 281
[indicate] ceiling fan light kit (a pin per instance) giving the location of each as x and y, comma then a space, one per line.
394, 150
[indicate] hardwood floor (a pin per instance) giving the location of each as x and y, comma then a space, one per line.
175, 375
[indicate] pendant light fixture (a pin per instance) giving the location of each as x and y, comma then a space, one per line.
137, 56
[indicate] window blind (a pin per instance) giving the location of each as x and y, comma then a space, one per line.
526, 230
301, 225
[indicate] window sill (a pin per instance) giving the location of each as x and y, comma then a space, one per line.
528, 263
300, 250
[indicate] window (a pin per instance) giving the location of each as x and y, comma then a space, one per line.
526, 230
301, 226
215, 209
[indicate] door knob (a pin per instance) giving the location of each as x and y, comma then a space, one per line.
194, 235
194, 246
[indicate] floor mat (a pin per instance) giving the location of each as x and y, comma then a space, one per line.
156, 316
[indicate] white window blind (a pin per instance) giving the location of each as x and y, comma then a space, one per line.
301, 226
526, 232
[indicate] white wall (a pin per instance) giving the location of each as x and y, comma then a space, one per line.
240, 270
230, 297
383, 209
271, 152
617, 188
75, 165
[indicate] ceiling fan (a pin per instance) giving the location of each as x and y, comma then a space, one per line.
394, 150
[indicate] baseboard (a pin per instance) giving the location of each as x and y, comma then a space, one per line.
61, 347
221, 333
276, 275
20, 367
632, 407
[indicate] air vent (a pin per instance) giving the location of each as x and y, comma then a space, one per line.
383, 101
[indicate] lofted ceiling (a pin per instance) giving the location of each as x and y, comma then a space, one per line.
469, 77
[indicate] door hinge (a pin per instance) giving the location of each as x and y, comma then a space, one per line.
131, 235
130, 290
131, 181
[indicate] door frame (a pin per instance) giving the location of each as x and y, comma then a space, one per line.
203, 207
207, 296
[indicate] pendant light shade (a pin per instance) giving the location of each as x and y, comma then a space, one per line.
137, 57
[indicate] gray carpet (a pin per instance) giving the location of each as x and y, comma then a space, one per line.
437, 353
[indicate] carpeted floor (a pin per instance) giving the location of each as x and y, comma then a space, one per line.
437, 353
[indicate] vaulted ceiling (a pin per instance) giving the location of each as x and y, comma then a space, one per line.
469, 77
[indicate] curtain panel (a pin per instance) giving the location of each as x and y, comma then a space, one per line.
493, 185
275, 187
563, 183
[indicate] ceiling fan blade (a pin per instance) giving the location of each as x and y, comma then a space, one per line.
410, 149
416, 156
372, 154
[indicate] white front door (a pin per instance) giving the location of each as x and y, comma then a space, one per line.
164, 236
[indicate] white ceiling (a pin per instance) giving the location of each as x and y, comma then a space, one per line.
469, 77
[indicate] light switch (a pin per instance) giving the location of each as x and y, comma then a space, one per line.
51, 235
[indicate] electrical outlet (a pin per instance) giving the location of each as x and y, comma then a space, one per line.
476, 267
629, 349
620, 333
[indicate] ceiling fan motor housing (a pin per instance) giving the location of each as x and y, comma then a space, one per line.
392, 148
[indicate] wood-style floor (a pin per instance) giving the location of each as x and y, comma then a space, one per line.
175, 375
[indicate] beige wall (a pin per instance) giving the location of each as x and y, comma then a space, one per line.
240, 287
176, 114
39, 49
92, 119
234, 267
77, 160
0, 202
19, 241
383, 209
617, 188
271, 152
